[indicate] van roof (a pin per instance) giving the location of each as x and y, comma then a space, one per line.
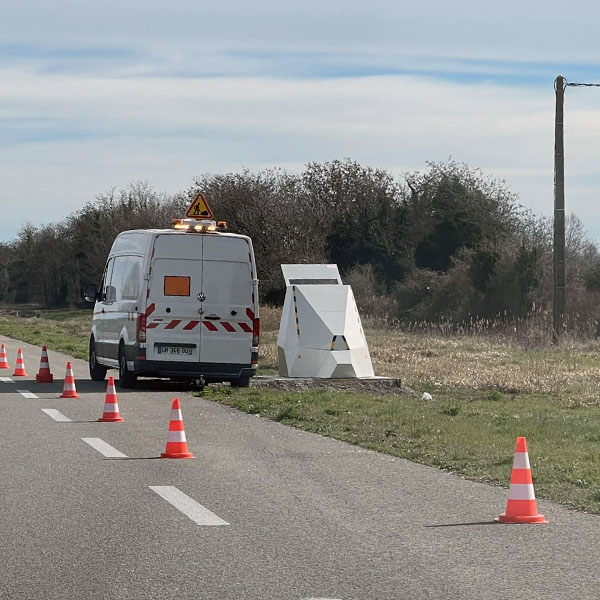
176, 232
137, 241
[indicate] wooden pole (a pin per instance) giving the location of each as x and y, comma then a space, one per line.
559, 304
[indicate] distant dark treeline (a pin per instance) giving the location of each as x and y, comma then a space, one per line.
447, 243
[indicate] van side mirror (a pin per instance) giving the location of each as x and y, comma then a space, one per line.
111, 293
90, 292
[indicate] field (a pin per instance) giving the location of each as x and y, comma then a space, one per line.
487, 389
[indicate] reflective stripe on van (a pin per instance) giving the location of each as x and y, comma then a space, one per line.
180, 325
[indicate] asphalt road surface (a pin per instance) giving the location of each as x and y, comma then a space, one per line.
89, 511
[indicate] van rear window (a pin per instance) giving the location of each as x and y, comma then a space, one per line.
177, 286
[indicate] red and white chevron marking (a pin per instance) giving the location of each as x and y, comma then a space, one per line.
191, 325
184, 325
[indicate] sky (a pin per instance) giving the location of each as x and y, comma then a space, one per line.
98, 95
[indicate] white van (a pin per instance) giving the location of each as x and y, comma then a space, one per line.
179, 303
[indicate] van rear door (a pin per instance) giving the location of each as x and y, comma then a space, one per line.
227, 300
173, 324
200, 306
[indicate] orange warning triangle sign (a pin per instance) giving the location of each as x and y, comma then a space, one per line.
199, 208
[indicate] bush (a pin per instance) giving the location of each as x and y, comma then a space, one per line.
370, 303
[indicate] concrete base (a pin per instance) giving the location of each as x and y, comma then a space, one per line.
341, 379
373, 384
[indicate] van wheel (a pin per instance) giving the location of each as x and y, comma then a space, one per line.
127, 379
242, 382
198, 385
97, 372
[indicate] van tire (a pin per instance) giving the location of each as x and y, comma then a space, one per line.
242, 382
198, 385
97, 371
127, 379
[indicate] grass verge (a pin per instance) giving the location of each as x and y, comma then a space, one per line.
66, 331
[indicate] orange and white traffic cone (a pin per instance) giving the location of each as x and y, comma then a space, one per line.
3, 361
44, 375
111, 406
20, 366
521, 506
69, 390
176, 442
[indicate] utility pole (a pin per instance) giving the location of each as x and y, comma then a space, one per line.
559, 304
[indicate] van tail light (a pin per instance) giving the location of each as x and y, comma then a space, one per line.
141, 328
255, 332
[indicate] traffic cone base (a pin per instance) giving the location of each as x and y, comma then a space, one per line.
20, 366
186, 455
104, 419
3, 361
111, 406
176, 442
504, 518
44, 375
177, 455
521, 506
69, 390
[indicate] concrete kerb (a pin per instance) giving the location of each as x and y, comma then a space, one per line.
374, 385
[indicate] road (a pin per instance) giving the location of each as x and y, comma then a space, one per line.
269, 512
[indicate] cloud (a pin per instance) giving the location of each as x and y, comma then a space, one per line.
95, 133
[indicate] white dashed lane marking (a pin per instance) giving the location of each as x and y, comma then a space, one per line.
104, 448
57, 416
27, 394
189, 507
6, 380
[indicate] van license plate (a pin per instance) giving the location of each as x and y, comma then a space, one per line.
177, 350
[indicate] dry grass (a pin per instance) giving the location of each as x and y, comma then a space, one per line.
485, 357
270, 316
569, 371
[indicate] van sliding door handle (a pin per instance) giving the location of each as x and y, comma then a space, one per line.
213, 317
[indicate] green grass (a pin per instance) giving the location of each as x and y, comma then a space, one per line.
66, 331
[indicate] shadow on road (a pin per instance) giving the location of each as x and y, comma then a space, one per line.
131, 457
463, 524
